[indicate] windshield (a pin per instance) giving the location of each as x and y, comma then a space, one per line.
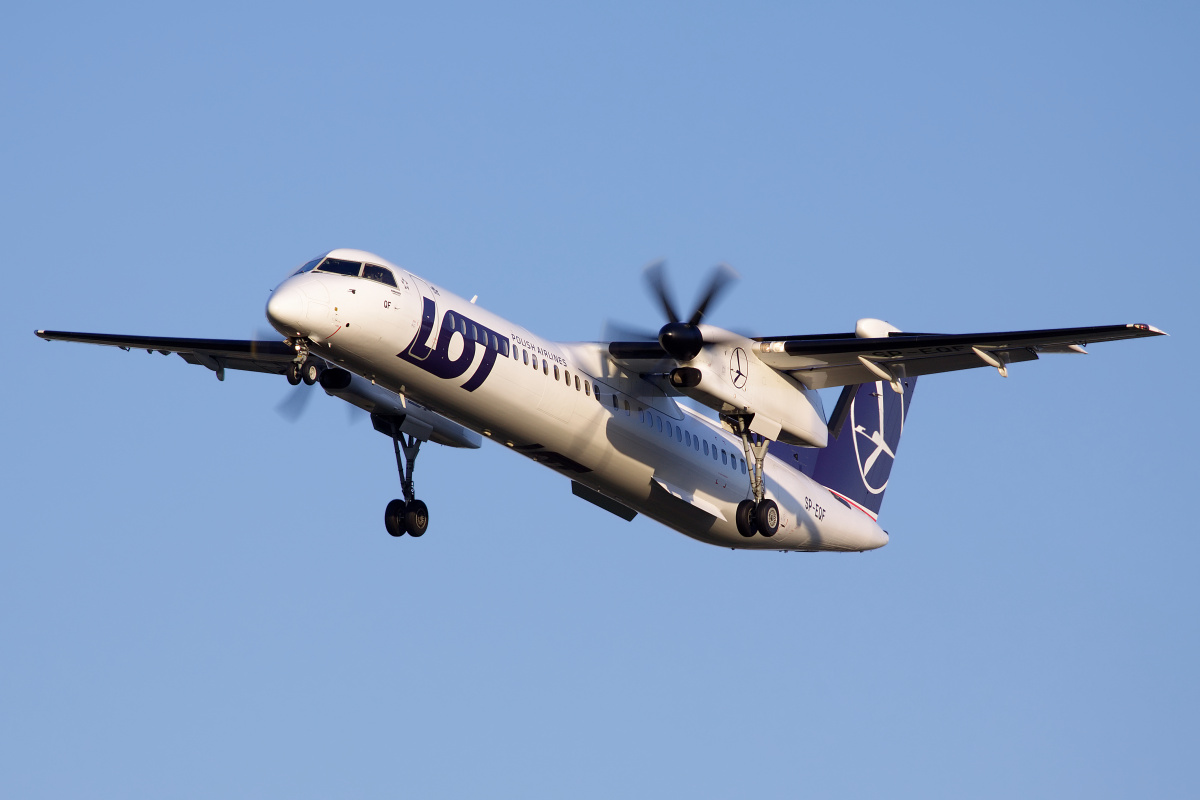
340, 267
309, 266
377, 273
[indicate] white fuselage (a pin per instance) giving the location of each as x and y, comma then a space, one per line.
564, 405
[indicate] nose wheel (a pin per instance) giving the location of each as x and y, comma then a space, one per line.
409, 515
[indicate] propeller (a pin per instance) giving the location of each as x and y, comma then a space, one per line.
682, 340
292, 407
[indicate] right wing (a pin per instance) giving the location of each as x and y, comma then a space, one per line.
823, 361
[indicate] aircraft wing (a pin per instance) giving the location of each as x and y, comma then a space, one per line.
841, 360
216, 354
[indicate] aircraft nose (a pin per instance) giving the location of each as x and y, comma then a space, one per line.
287, 309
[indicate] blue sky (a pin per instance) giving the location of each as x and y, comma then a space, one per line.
199, 599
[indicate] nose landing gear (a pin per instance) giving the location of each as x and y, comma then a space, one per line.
409, 515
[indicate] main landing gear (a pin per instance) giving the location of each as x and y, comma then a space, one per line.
409, 515
760, 515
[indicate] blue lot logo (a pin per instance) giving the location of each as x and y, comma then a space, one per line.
436, 360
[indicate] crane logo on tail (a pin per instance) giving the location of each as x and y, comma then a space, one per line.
874, 443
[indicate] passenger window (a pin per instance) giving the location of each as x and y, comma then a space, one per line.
587, 388
525, 355
678, 434
577, 383
724, 457
641, 415
627, 411
660, 424
687, 438
340, 266
614, 397
743, 466
696, 443
545, 367
706, 448
556, 372
714, 452
381, 274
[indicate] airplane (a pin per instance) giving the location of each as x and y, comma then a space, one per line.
762, 467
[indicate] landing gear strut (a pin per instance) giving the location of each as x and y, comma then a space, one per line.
409, 515
760, 515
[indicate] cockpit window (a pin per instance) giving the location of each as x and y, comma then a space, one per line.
339, 267
381, 274
310, 265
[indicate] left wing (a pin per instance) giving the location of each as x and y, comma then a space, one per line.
823, 361
216, 354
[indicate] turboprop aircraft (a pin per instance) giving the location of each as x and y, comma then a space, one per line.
768, 470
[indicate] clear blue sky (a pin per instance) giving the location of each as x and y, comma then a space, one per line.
198, 599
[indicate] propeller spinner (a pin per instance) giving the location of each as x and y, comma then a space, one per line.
681, 340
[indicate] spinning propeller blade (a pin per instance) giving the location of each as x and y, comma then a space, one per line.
292, 407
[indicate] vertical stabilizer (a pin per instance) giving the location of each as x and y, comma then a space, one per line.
864, 436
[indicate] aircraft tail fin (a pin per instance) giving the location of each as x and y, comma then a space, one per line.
864, 434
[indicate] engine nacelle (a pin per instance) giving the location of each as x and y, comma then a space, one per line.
386, 405
729, 378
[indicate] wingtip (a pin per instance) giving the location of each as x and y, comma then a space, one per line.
1150, 329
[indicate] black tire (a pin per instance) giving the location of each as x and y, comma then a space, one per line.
416, 518
745, 518
310, 374
293, 374
766, 516
393, 518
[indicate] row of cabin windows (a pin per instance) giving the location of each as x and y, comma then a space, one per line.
564, 373
469, 330
682, 436
685, 438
